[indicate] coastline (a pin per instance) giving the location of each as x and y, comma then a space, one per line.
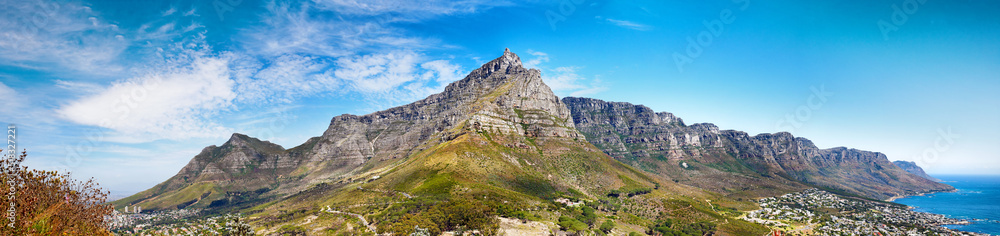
897, 197
968, 188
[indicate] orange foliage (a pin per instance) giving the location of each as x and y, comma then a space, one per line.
47, 203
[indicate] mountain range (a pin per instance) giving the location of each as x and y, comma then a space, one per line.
500, 145
734, 162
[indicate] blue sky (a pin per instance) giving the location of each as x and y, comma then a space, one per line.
128, 91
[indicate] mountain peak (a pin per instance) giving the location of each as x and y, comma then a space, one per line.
508, 63
237, 138
242, 140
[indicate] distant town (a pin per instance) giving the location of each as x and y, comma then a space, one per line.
817, 212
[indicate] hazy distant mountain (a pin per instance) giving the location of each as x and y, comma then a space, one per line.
734, 162
913, 168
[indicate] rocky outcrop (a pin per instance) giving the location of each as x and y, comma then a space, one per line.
635, 134
914, 169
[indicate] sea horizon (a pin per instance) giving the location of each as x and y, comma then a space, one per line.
976, 199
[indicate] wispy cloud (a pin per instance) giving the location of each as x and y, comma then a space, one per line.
379, 72
57, 35
169, 11
537, 59
395, 77
11, 99
77, 87
564, 80
404, 10
284, 80
306, 30
626, 24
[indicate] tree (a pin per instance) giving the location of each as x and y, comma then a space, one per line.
49, 203
607, 226
571, 225
588, 216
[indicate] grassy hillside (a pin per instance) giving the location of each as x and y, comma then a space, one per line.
477, 175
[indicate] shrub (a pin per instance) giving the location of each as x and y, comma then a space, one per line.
588, 217
49, 203
456, 214
607, 226
670, 228
571, 225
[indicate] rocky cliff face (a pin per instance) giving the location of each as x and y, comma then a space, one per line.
730, 159
914, 169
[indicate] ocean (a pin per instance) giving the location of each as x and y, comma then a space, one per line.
977, 199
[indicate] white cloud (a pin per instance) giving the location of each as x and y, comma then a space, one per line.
628, 24
175, 104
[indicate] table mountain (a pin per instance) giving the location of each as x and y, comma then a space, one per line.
496, 142
734, 162
914, 169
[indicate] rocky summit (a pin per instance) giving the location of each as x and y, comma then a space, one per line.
497, 152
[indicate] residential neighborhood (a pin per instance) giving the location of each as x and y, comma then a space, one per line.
817, 212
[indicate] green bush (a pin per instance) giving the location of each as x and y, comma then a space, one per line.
607, 226
437, 217
670, 228
571, 224
588, 217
